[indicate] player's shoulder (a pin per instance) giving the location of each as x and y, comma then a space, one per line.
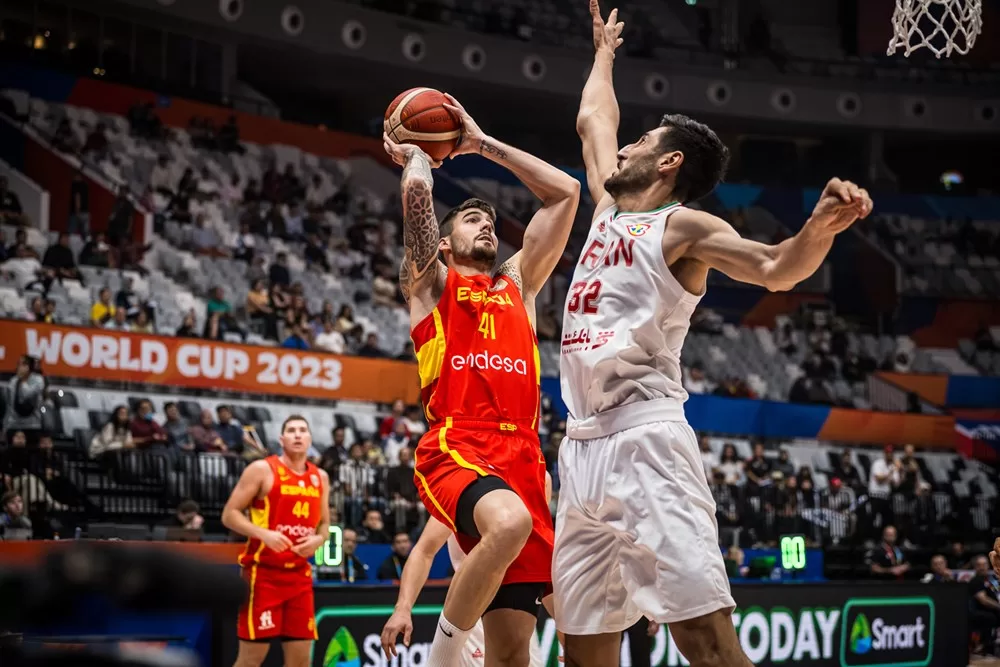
259, 468
695, 223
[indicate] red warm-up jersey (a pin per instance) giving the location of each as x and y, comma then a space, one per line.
292, 507
478, 354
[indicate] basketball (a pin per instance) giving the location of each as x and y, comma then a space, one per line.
418, 116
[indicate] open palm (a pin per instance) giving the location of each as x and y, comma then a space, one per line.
607, 35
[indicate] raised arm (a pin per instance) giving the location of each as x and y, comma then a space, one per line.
419, 271
776, 267
597, 120
548, 231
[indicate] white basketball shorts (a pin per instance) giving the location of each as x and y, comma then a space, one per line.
474, 654
636, 533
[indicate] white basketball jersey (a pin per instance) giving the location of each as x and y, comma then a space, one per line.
626, 317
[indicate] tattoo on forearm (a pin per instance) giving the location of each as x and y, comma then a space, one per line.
420, 225
486, 148
511, 270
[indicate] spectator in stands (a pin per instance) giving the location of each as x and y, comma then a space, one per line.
848, 473
407, 354
734, 561
187, 517
695, 380
205, 437
939, 571
161, 180
395, 442
113, 437
345, 319
14, 523
146, 433
25, 393
709, 459
384, 288
297, 338
36, 311
414, 420
97, 252
984, 605
64, 139
188, 327
220, 317
392, 567
372, 529
118, 322
289, 186
352, 568
784, 464
330, 340
229, 136
958, 557
402, 492
50, 467
79, 205
103, 310
315, 254
231, 432
96, 144
758, 470
294, 223
205, 240
337, 450
176, 428
726, 505
245, 245
909, 473
318, 192
206, 188
59, 262
258, 308
388, 423
371, 348
887, 560
20, 248
357, 479
278, 274
11, 212
731, 466
141, 324
882, 481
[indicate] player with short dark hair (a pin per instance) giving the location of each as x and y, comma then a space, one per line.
636, 528
289, 503
479, 469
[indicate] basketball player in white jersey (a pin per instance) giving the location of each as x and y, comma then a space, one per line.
635, 530
415, 573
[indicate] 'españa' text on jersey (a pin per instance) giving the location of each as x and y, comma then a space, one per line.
477, 353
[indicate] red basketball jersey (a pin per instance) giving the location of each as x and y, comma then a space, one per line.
292, 507
478, 354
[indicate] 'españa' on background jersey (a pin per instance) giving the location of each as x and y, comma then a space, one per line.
478, 354
293, 508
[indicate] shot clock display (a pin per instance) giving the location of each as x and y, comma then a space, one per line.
331, 554
793, 552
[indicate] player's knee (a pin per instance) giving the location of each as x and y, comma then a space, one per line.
510, 655
510, 527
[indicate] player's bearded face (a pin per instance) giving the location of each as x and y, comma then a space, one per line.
635, 173
473, 239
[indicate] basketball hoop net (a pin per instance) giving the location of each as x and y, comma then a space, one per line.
942, 26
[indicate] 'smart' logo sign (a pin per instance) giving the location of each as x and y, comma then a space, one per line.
887, 632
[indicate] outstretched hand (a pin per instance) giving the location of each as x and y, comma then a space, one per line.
840, 205
401, 154
607, 35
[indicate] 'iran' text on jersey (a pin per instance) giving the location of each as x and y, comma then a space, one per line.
293, 508
477, 353
626, 317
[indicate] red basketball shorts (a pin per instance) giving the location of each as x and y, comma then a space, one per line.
280, 605
453, 455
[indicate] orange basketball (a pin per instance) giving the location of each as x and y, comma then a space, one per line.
418, 116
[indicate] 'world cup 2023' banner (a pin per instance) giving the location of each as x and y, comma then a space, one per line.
191, 363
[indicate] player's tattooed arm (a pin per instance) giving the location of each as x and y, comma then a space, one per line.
488, 148
420, 224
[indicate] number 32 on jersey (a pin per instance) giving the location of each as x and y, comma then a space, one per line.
583, 297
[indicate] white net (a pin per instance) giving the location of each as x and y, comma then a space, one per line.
941, 26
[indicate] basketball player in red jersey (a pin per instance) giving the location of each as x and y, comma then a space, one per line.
479, 469
289, 503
